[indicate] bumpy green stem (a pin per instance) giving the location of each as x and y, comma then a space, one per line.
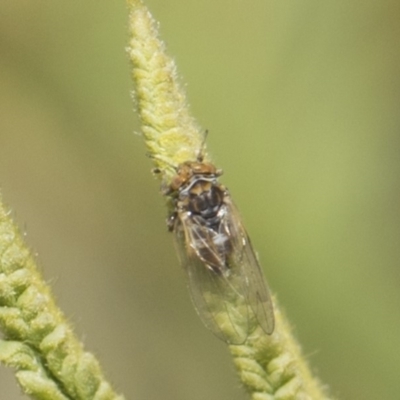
271, 367
51, 363
171, 134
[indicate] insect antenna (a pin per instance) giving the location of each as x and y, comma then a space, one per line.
157, 170
200, 155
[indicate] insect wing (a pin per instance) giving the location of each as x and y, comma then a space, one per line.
243, 255
219, 297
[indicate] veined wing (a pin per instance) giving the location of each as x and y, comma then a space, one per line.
219, 295
243, 255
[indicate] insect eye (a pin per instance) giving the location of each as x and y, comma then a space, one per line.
176, 183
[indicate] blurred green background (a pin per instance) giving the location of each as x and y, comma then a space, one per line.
302, 103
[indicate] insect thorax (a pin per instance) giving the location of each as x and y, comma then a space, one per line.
202, 197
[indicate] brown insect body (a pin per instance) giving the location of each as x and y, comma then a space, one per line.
200, 204
215, 250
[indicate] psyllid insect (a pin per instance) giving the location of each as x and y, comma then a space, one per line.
225, 280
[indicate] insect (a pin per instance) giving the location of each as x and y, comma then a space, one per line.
224, 277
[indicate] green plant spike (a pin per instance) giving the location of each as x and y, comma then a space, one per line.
38, 343
271, 367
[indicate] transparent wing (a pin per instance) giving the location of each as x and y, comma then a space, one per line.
258, 294
219, 296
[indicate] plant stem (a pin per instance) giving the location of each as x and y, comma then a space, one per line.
270, 366
49, 360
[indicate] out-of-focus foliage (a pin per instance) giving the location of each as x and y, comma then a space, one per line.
301, 100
